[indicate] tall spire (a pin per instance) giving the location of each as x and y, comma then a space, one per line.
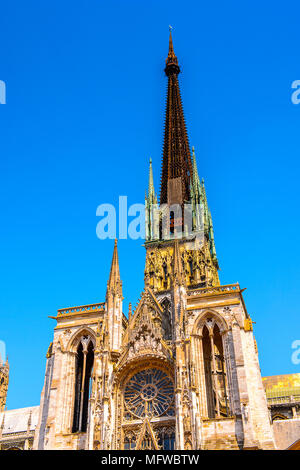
177, 164
197, 265
114, 283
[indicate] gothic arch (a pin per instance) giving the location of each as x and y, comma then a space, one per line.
140, 363
76, 337
209, 334
78, 365
72, 403
210, 318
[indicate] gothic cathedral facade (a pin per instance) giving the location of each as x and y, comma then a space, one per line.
182, 370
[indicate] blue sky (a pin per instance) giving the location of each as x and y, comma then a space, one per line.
85, 107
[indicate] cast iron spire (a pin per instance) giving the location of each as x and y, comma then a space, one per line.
177, 165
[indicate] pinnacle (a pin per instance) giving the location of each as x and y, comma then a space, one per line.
114, 281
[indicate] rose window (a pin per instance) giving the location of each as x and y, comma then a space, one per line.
149, 393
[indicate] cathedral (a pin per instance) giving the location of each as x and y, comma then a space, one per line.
181, 370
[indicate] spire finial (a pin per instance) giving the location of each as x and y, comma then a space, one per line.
171, 61
171, 48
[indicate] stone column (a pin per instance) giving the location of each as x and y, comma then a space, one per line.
247, 427
178, 397
200, 376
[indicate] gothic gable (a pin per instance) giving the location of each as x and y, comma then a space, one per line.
144, 335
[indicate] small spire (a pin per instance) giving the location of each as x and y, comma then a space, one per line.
129, 311
208, 225
205, 207
151, 185
212, 237
196, 180
114, 281
151, 192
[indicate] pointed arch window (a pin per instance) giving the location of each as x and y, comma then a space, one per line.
83, 373
215, 371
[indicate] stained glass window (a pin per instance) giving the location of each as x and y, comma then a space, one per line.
149, 393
